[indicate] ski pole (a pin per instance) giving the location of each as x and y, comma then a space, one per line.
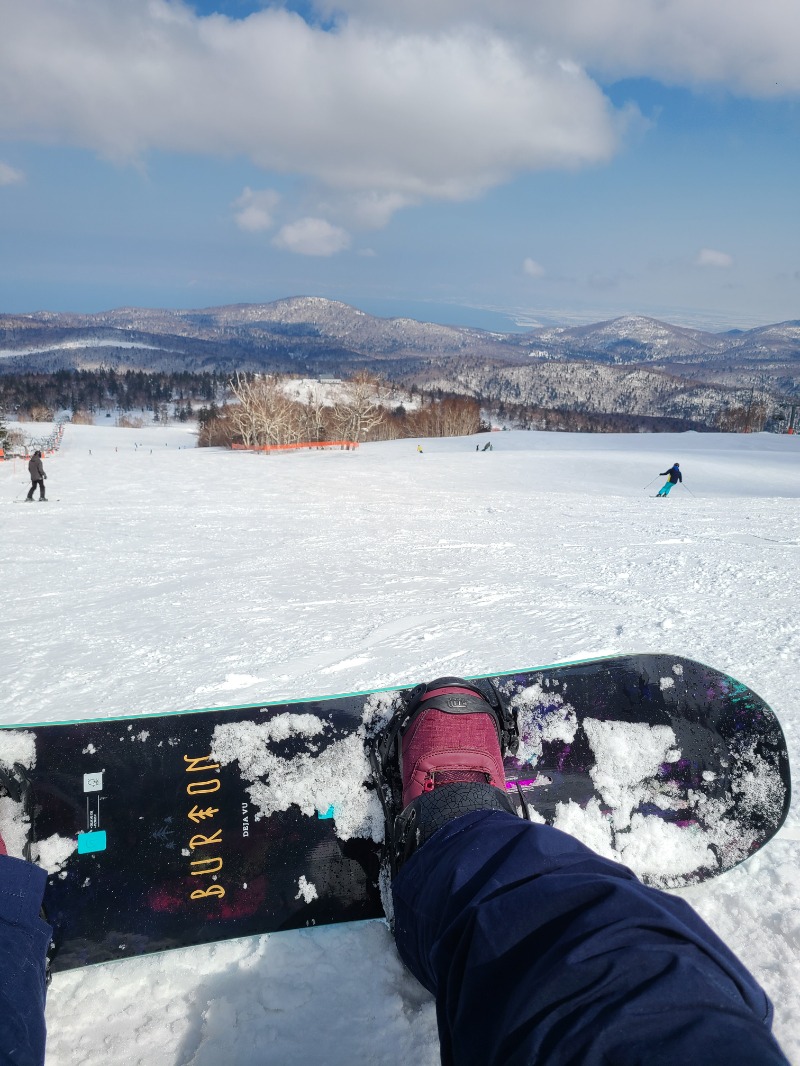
649, 483
688, 490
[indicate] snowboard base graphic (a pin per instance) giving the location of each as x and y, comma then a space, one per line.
165, 831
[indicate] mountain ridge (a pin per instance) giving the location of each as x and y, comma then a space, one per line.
312, 334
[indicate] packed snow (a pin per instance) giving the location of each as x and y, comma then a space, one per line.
162, 577
314, 782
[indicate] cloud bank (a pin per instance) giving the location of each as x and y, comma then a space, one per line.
393, 105
386, 118
747, 48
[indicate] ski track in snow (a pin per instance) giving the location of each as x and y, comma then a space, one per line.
188, 578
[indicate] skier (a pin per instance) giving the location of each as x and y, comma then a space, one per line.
38, 476
675, 476
536, 948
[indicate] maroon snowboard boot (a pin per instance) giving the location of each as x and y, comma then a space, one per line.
441, 756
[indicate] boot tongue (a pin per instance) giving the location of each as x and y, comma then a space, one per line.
450, 746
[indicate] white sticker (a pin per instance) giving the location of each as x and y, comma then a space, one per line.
93, 782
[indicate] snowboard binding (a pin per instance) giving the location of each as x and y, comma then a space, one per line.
418, 799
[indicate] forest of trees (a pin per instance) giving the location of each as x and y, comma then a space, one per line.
565, 420
258, 409
39, 396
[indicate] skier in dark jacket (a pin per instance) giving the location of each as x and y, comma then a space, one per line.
537, 949
38, 476
675, 476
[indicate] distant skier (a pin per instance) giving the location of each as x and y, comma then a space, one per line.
419, 449
675, 476
38, 476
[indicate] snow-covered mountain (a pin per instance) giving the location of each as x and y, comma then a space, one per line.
306, 322
310, 335
631, 338
310, 319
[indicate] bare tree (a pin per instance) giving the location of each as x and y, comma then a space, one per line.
42, 413
243, 412
264, 413
359, 411
315, 415
453, 416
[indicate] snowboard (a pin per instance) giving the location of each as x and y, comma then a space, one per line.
164, 831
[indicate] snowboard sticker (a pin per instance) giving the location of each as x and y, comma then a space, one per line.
164, 831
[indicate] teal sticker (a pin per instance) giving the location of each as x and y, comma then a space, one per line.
326, 814
90, 842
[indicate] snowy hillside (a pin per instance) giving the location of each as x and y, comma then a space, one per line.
163, 577
312, 334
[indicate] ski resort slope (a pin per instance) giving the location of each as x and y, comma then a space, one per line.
163, 577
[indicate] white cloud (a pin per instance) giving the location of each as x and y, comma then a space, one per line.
357, 209
9, 175
386, 118
374, 210
709, 257
253, 209
532, 268
312, 236
746, 47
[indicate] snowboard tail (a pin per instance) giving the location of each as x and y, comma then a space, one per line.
167, 831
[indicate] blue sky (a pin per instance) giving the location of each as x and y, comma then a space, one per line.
475, 162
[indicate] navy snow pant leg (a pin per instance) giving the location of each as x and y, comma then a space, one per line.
24, 939
541, 952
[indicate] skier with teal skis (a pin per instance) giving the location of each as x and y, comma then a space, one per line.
674, 474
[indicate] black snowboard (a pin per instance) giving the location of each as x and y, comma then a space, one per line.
165, 831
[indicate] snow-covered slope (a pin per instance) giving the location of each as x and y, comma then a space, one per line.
163, 577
